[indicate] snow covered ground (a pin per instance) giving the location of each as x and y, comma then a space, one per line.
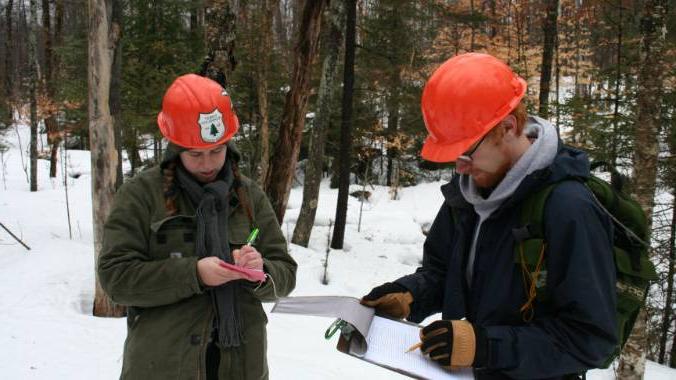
45, 308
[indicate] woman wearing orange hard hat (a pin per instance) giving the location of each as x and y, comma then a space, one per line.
179, 249
492, 318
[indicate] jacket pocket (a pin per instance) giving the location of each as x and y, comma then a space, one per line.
172, 237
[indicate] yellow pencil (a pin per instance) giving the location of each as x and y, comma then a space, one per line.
414, 347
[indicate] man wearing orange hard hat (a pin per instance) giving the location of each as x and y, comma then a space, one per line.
491, 320
180, 249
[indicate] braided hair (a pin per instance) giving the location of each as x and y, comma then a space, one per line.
241, 194
170, 187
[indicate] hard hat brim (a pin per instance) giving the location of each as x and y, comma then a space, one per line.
442, 153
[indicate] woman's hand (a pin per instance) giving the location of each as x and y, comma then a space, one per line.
248, 257
213, 274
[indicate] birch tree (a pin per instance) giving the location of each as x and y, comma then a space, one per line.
102, 40
646, 149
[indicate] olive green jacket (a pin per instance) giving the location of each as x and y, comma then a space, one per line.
148, 262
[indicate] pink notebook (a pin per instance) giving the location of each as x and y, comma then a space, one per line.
251, 274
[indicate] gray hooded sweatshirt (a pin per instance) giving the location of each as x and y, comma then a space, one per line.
539, 155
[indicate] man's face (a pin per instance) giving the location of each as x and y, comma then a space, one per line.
486, 161
204, 164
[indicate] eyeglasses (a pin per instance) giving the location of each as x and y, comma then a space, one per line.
467, 156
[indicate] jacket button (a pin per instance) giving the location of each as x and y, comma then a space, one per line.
195, 339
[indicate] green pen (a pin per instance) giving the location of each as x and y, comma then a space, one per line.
252, 236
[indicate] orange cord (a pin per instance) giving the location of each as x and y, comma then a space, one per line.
531, 289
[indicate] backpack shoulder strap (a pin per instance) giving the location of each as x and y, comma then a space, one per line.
529, 249
532, 215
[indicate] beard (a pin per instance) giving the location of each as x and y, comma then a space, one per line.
487, 180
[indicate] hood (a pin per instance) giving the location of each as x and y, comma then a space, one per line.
569, 163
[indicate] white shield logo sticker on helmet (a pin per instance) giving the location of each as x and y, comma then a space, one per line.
211, 126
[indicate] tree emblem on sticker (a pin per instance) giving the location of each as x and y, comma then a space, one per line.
211, 126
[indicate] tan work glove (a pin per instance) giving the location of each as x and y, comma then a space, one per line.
390, 299
454, 344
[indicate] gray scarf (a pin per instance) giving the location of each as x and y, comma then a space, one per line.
212, 206
539, 155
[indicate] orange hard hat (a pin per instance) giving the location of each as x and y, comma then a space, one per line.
197, 113
464, 99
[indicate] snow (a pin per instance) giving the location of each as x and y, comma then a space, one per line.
47, 293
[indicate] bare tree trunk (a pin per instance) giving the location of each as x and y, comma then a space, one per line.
195, 8
550, 32
618, 80
346, 127
668, 316
315, 161
672, 359
558, 87
58, 27
393, 105
646, 149
116, 88
102, 39
280, 26
494, 20
283, 163
262, 71
51, 121
34, 135
519, 20
509, 34
220, 35
9, 62
33, 54
156, 150
669, 297
578, 57
472, 26
132, 147
53, 137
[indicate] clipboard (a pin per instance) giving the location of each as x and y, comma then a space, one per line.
376, 339
350, 341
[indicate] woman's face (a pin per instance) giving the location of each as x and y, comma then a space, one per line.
204, 164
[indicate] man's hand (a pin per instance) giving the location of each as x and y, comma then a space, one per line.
452, 344
211, 273
391, 299
248, 257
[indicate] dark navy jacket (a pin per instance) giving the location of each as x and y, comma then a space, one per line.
572, 332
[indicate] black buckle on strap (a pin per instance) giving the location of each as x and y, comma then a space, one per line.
522, 233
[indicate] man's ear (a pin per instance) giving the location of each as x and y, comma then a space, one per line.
509, 126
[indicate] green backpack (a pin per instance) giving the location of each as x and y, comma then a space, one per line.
633, 267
